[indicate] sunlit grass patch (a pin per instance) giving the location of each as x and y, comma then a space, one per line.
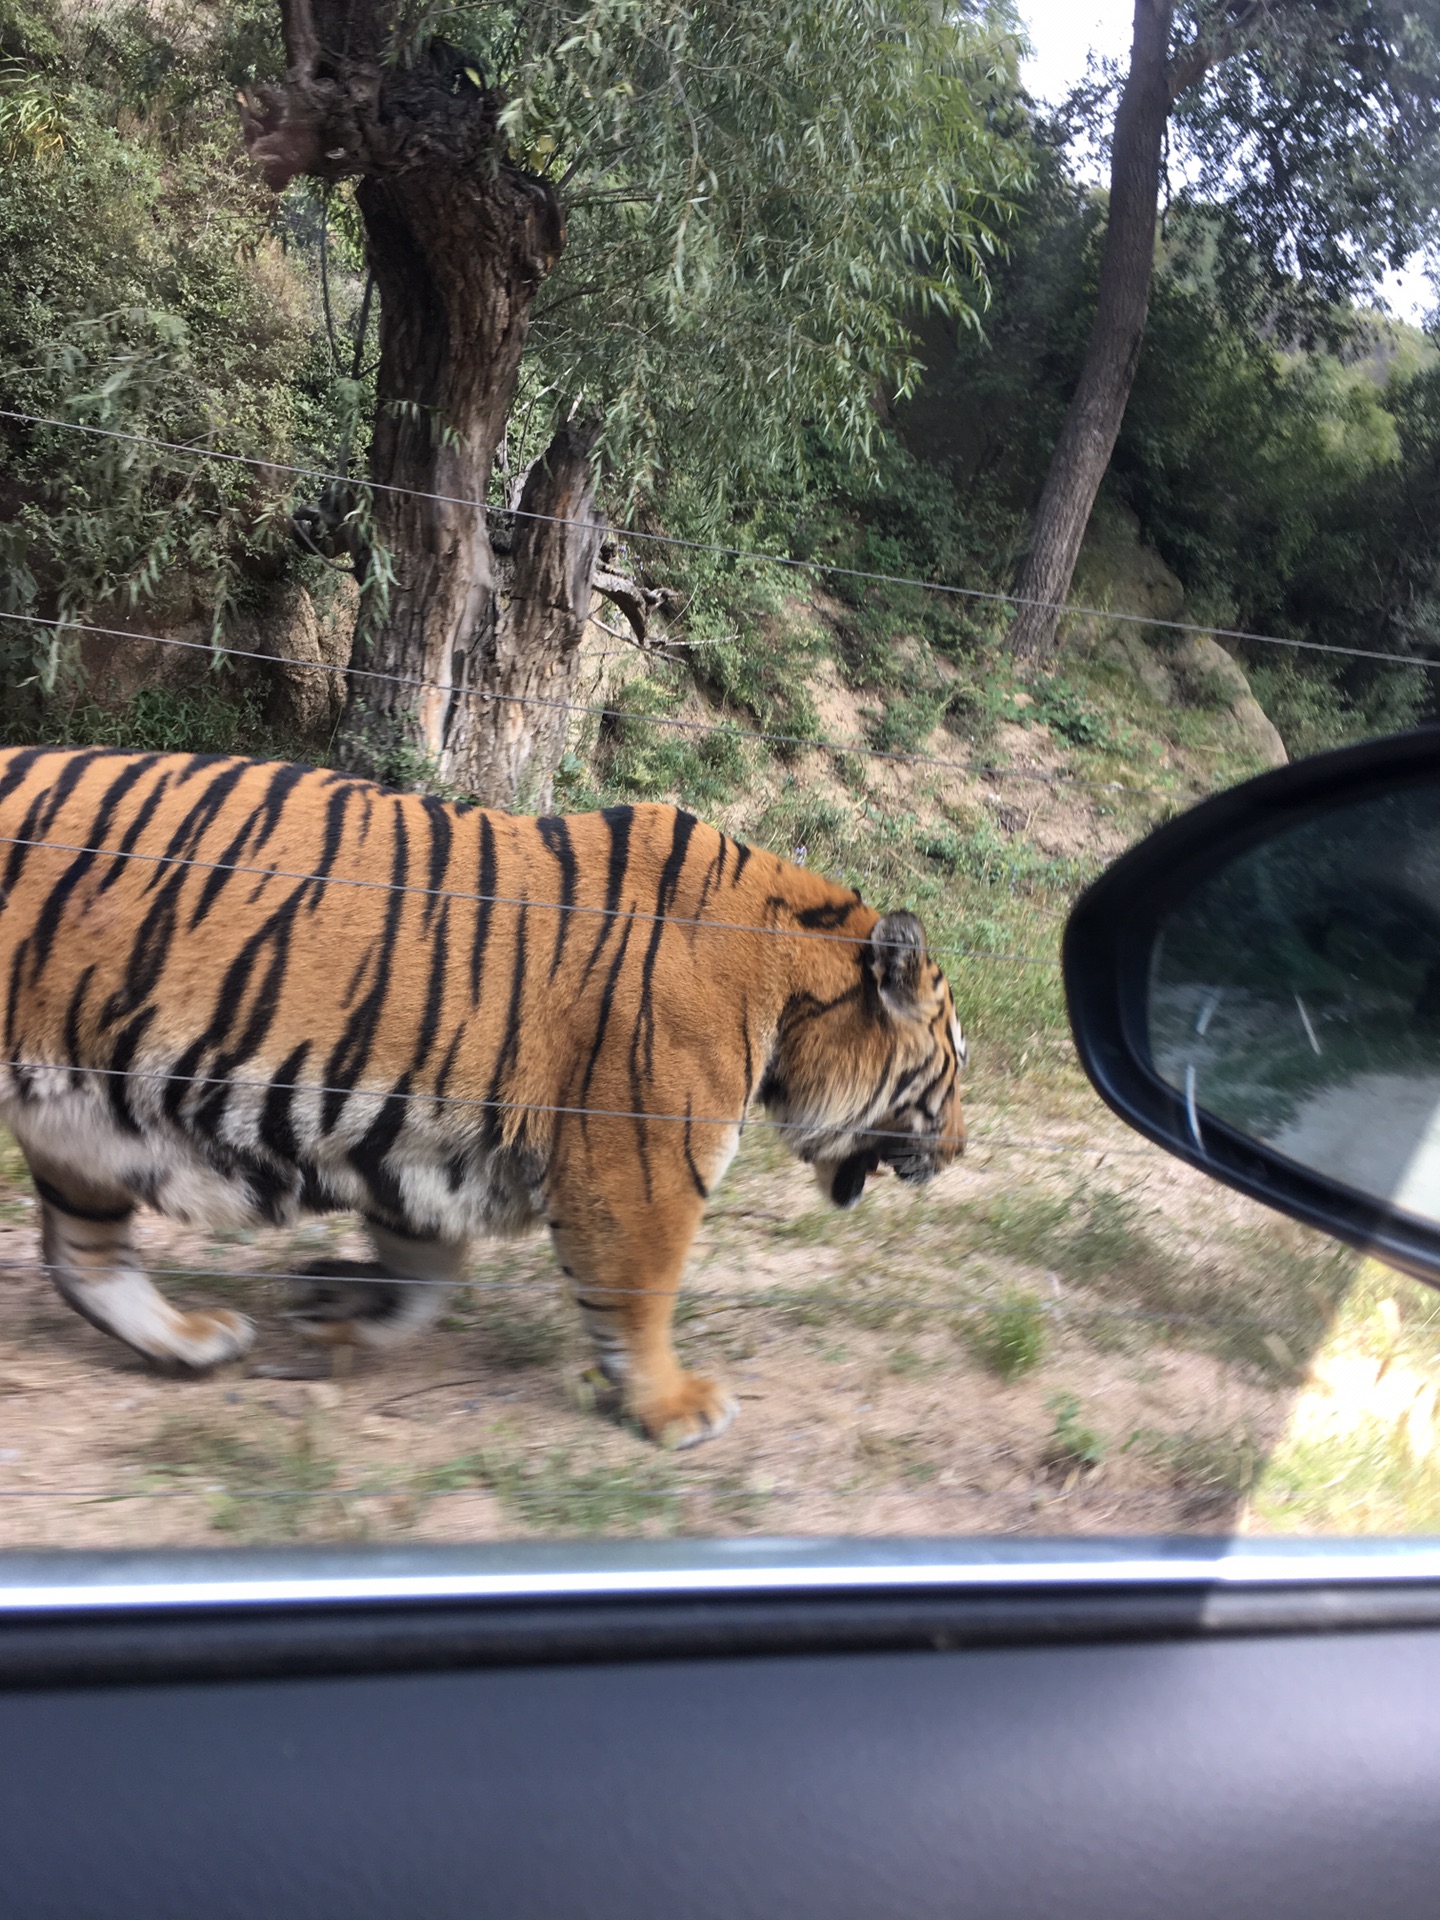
1361, 1451
1367, 1480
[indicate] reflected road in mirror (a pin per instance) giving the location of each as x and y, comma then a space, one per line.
1295, 995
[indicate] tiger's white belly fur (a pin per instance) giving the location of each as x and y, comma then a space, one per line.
72, 1126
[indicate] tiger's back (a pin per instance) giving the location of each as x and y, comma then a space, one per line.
241, 990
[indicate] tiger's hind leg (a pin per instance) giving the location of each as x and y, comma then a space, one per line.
87, 1250
624, 1281
377, 1303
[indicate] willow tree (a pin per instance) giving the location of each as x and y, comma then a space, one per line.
1314, 125
757, 191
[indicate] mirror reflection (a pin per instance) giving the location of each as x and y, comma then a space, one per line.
1296, 996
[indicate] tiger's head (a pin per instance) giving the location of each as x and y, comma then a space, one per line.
870, 1076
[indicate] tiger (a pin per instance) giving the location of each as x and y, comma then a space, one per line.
242, 991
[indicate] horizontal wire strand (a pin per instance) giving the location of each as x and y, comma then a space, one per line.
710, 727
697, 1489
383, 1097
990, 596
696, 1299
507, 900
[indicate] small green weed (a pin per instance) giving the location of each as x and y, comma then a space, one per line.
1009, 1338
907, 722
1071, 1443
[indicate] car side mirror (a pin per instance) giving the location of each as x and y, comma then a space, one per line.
1256, 988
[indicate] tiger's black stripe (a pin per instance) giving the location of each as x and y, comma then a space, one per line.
277, 1127
602, 1023
442, 835
618, 822
434, 990
509, 1053
353, 1049
48, 922
254, 831
486, 890
132, 833
53, 1197
556, 835
642, 1038
694, 1171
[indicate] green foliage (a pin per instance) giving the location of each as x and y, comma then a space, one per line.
750, 642
1312, 712
147, 292
759, 196
907, 722
214, 719
1295, 493
33, 116
641, 760
981, 851
1317, 130
1062, 707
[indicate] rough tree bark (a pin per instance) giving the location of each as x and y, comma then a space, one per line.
1093, 421
459, 239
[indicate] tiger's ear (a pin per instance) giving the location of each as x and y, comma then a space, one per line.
897, 961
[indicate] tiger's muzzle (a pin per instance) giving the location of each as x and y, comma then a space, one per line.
914, 1156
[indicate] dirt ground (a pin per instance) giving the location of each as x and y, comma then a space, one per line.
1075, 1334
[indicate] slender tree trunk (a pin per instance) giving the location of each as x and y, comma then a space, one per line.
459, 239
1092, 424
513, 741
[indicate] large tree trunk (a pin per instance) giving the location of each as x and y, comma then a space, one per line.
1092, 424
459, 239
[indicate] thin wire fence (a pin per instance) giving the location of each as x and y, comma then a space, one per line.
712, 728
701, 1300
825, 568
700, 924
1064, 1313
365, 1098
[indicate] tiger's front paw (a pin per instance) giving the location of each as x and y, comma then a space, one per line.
201, 1342
691, 1410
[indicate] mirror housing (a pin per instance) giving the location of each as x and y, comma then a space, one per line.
1245, 857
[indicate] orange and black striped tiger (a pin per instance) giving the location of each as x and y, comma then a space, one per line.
237, 991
